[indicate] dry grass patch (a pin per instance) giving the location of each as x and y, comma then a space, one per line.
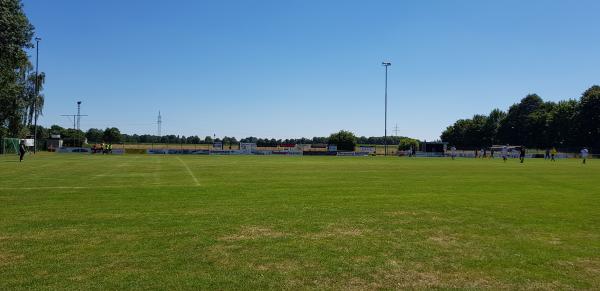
590, 266
335, 231
7, 259
443, 239
285, 266
252, 233
405, 275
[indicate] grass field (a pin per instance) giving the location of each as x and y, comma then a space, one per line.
262, 222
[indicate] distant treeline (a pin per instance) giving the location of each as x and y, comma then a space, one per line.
113, 135
533, 123
266, 142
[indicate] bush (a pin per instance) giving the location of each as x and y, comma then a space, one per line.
406, 143
344, 140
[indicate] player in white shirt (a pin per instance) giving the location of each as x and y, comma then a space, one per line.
504, 152
584, 154
453, 152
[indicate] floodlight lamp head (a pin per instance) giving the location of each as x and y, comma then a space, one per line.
78, 102
38, 39
386, 64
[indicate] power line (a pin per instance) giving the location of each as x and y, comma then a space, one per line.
76, 117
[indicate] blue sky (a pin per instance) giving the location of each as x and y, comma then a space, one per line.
307, 68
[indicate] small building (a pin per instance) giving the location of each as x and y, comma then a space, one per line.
433, 149
247, 147
54, 142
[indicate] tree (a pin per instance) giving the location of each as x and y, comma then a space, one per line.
588, 117
491, 126
535, 123
525, 123
406, 143
56, 129
562, 130
94, 135
112, 135
15, 36
345, 140
466, 133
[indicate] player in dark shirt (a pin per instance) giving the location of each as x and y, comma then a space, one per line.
522, 154
21, 150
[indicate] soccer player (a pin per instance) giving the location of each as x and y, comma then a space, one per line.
504, 152
21, 150
522, 154
553, 153
453, 152
547, 154
584, 154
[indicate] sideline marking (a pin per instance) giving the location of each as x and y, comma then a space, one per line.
189, 171
93, 187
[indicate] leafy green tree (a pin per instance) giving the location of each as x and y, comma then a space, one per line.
562, 129
465, 133
112, 135
524, 123
345, 140
406, 143
491, 126
94, 135
589, 117
15, 36
56, 129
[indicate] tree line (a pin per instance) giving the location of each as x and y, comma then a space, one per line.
94, 134
343, 139
18, 92
533, 123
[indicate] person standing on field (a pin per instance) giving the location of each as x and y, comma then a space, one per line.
553, 153
522, 154
453, 152
504, 153
584, 154
21, 150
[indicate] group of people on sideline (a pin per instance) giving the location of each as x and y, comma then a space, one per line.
102, 148
521, 151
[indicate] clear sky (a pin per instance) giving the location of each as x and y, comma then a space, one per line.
307, 68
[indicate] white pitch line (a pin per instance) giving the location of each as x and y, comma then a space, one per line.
189, 171
90, 187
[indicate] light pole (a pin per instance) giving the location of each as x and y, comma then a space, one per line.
37, 51
386, 65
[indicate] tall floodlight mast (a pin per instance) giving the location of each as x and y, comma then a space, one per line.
37, 92
386, 65
159, 124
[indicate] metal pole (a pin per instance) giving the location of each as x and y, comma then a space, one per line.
385, 134
37, 51
78, 123
386, 65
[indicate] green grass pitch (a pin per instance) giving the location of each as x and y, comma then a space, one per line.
268, 222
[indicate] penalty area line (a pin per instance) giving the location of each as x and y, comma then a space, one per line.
189, 171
